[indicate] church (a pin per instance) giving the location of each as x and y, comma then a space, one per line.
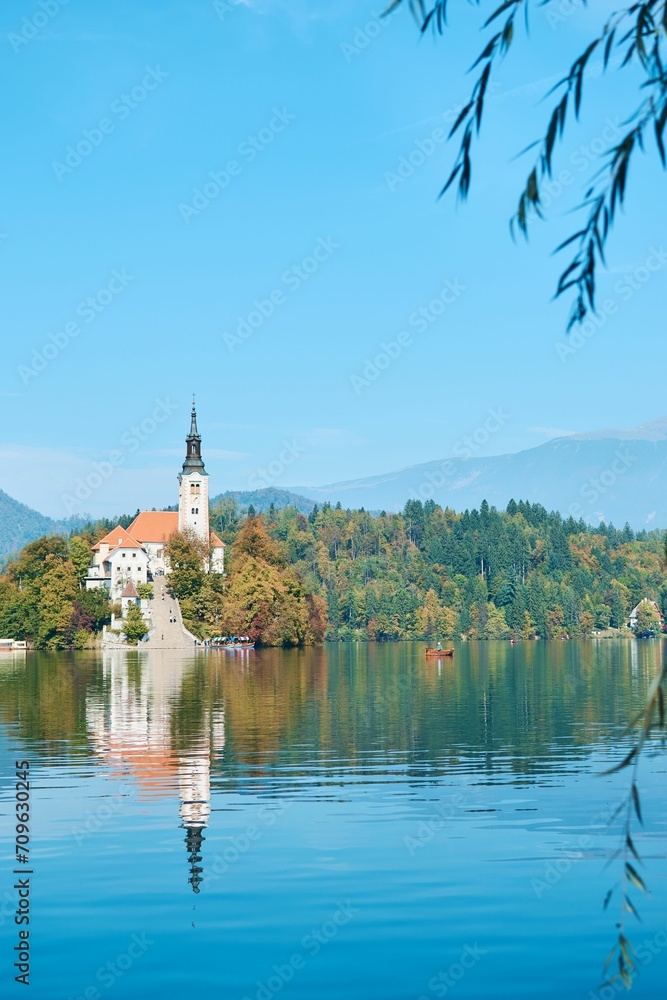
137, 554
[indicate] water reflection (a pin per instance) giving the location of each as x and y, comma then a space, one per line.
370, 746
131, 723
169, 718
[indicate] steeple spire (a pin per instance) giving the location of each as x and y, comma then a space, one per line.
193, 841
193, 420
193, 460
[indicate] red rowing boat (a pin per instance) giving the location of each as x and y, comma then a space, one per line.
440, 652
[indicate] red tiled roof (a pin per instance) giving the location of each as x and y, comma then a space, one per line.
215, 541
154, 525
119, 538
129, 590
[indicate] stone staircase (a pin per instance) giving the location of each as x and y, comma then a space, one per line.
166, 634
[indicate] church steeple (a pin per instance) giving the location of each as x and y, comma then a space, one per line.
193, 460
193, 840
193, 486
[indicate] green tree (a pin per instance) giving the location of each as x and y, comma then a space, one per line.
186, 554
134, 625
80, 553
648, 619
263, 598
55, 594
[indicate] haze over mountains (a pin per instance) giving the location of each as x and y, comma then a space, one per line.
20, 524
607, 475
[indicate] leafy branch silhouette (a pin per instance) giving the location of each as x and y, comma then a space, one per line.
634, 36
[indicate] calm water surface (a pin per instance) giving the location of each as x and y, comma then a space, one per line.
350, 821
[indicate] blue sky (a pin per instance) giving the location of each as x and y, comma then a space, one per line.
304, 113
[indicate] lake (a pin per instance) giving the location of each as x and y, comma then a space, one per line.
348, 821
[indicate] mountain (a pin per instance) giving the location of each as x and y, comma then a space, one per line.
261, 500
610, 475
20, 524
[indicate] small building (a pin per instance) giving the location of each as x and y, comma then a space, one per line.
117, 559
130, 596
633, 614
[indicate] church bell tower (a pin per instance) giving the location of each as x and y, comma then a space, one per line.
193, 486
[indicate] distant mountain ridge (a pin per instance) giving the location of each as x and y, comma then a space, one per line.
612, 476
617, 476
261, 500
20, 524
654, 430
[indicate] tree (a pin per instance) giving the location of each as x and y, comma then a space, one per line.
634, 37
134, 625
80, 554
186, 554
496, 626
145, 591
55, 592
264, 598
586, 623
648, 619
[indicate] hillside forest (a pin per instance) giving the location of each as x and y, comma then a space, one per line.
347, 575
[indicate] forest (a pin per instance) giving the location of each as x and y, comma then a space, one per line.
347, 575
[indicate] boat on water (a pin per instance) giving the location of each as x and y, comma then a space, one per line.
440, 652
13, 646
231, 642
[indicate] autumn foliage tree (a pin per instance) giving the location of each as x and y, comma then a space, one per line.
264, 598
186, 554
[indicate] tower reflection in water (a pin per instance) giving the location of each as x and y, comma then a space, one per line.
136, 724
